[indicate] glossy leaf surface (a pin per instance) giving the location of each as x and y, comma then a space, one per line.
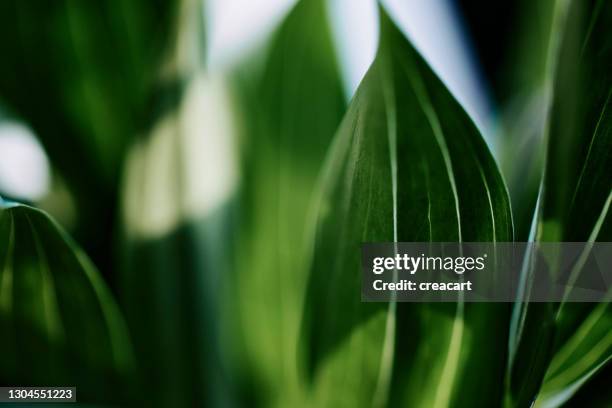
407, 164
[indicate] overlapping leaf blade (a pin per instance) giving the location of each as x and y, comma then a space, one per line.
596, 392
574, 203
580, 357
580, 128
579, 154
407, 165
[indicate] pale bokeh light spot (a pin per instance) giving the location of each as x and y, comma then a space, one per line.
24, 167
236, 26
187, 167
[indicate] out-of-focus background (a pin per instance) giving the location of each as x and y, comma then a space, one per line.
82, 85
180, 144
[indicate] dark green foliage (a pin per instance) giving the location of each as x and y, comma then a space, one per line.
59, 323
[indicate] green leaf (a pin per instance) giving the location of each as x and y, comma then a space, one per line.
407, 164
180, 179
292, 105
584, 354
177, 193
59, 323
527, 96
577, 185
574, 197
596, 393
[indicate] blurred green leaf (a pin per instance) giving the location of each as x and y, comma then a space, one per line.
82, 96
81, 74
292, 106
407, 165
176, 212
179, 182
59, 323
